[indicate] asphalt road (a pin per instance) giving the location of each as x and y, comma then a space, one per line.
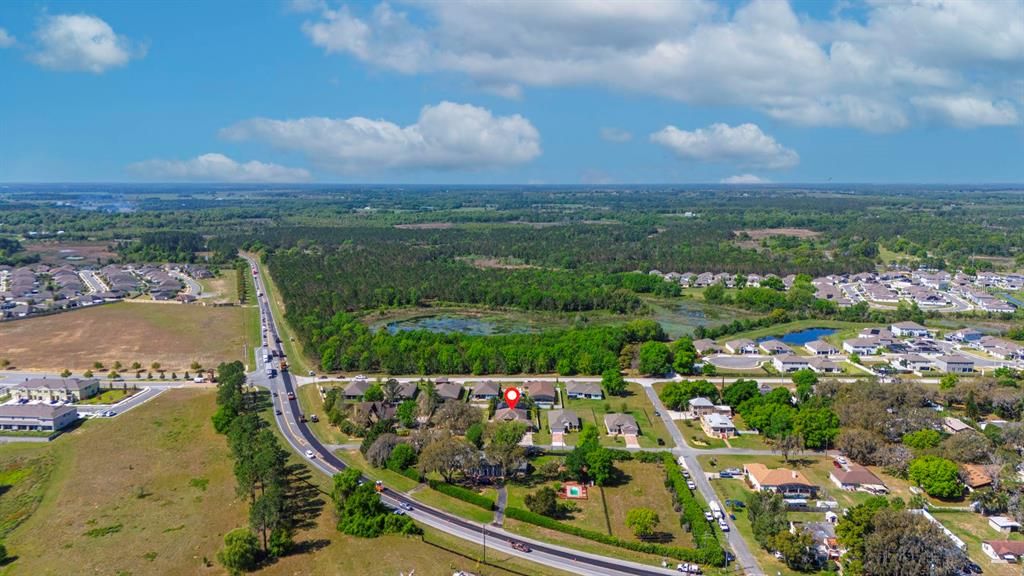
736, 542
301, 438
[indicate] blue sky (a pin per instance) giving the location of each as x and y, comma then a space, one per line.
560, 92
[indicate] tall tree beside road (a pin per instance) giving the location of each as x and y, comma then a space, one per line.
504, 447
654, 358
613, 382
447, 456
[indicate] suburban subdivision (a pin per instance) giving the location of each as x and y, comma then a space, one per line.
526, 403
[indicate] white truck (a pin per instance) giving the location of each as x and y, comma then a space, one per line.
716, 510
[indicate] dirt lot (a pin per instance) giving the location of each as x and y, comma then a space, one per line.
174, 335
56, 253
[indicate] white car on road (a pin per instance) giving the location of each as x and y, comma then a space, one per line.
310, 454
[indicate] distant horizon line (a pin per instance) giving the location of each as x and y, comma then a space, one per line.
523, 184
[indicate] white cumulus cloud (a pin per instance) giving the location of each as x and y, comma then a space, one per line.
6, 39
81, 42
744, 145
860, 70
616, 135
744, 179
214, 167
969, 111
448, 136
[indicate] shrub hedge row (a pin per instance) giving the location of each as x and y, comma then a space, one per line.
701, 555
693, 514
412, 474
463, 494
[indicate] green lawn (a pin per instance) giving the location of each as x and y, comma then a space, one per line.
109, 396
309, 399
974, 529
444, 502
589, 513
636, 403
394, 480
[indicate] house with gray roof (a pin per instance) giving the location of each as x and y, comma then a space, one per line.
37, 417
583, 390
55, 389
621, 424
564, 421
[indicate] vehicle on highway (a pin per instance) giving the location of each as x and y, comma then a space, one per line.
398, 512
709, 517
314, 418
291, 396
406, 506
310, 454
519, 546
278, 411
691, 485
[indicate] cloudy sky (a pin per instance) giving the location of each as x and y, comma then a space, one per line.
564, 91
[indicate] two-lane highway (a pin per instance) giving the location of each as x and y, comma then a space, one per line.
301, 438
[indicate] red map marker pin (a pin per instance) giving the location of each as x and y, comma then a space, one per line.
512, 397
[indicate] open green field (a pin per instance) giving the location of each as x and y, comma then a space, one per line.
174, 335
635, 402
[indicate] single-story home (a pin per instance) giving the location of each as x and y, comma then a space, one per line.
369, 413
706, 346
56, 389
617, 424
1004, 524
700, 406
448, 390
356, 388
483, 391
406, 391
717, 425
824, 365
741, 346
513, 415
965, 335
955, 364
951, 425
37, 417
905, 329
790, 363
821, 348
773, 347
976, 476
915, 362
542, 392
564, 421
789, 483
1003, 550
583, 390
854, 477
865, 346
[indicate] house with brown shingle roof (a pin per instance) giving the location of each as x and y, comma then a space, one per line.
854, 477
789, 483
1003, 550
542, 392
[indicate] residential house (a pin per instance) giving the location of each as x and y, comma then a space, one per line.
564, 421
821, 348
367, 414
865, 346
484, 391
856, 478
951, 425
1004, 524
915, 362
823, 534
954, 363
717, 425
774, 347
700, 406
542, 392
790, 363
706, 346
623, 424
447, 390
966, 335
514, 415
824, 365
741, 346
583, 390
37, 417
789, 483
1003, 550
977, 476
883, 335
56, 389
405, 391
355, 389
907, 329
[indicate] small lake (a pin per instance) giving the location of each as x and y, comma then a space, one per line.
448, 324
801, 337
